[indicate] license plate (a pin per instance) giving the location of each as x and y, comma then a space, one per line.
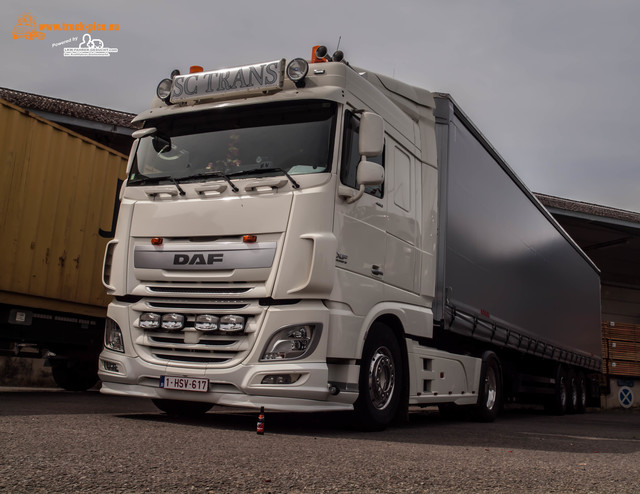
184, 383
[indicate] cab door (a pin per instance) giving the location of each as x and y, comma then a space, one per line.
360, 227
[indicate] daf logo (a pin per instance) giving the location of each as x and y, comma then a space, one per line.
186, 259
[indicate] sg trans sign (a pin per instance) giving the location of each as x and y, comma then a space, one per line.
258, 78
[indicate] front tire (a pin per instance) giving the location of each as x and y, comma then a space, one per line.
381, 379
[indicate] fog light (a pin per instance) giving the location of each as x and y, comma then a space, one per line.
113, 336
149, 320
231, 323
109, 366
292, 343
206, 322
173, 322
280, 378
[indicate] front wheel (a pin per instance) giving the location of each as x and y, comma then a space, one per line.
381, 378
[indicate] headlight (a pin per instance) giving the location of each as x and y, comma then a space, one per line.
113, 336
172, 322
292, 343
149, 320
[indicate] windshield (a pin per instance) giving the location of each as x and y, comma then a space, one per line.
294, 138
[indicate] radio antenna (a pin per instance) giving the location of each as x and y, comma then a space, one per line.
339, 39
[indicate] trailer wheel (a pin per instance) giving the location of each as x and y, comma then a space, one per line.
380, 381
572, 391
581, 385
74, 375
490, 392
559, 402
183, 408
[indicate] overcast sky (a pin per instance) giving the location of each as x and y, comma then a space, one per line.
553, 84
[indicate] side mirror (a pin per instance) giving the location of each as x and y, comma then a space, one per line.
369, 173
371, 140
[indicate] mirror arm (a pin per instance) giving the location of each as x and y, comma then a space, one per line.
356, 196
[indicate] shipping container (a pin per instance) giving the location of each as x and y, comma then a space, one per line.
58, 207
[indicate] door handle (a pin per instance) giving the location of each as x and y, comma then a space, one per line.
375, 270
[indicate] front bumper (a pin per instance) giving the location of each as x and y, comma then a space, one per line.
240, 386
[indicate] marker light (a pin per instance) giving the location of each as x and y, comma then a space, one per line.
249, 239
164, 89
157, 241
297, 70
195, 68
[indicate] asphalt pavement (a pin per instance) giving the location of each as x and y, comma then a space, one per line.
54, 441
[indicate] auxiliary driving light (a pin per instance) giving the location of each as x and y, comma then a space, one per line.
297, 71
207, 322
149, 320
173, 321
164, 89
231, 323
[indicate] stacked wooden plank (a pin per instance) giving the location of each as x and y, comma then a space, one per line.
621, 349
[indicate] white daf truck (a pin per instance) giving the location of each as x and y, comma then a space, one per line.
307, 236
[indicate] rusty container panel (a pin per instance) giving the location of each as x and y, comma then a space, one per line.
57, 191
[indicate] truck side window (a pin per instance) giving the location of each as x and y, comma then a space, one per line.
351, 157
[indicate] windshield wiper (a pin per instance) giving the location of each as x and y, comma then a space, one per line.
212, 173
149, 180
252, 171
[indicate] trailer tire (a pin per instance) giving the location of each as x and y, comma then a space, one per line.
572, 391
490, 391
581, 384
179, 408
558, 404
380, 381
74, 375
